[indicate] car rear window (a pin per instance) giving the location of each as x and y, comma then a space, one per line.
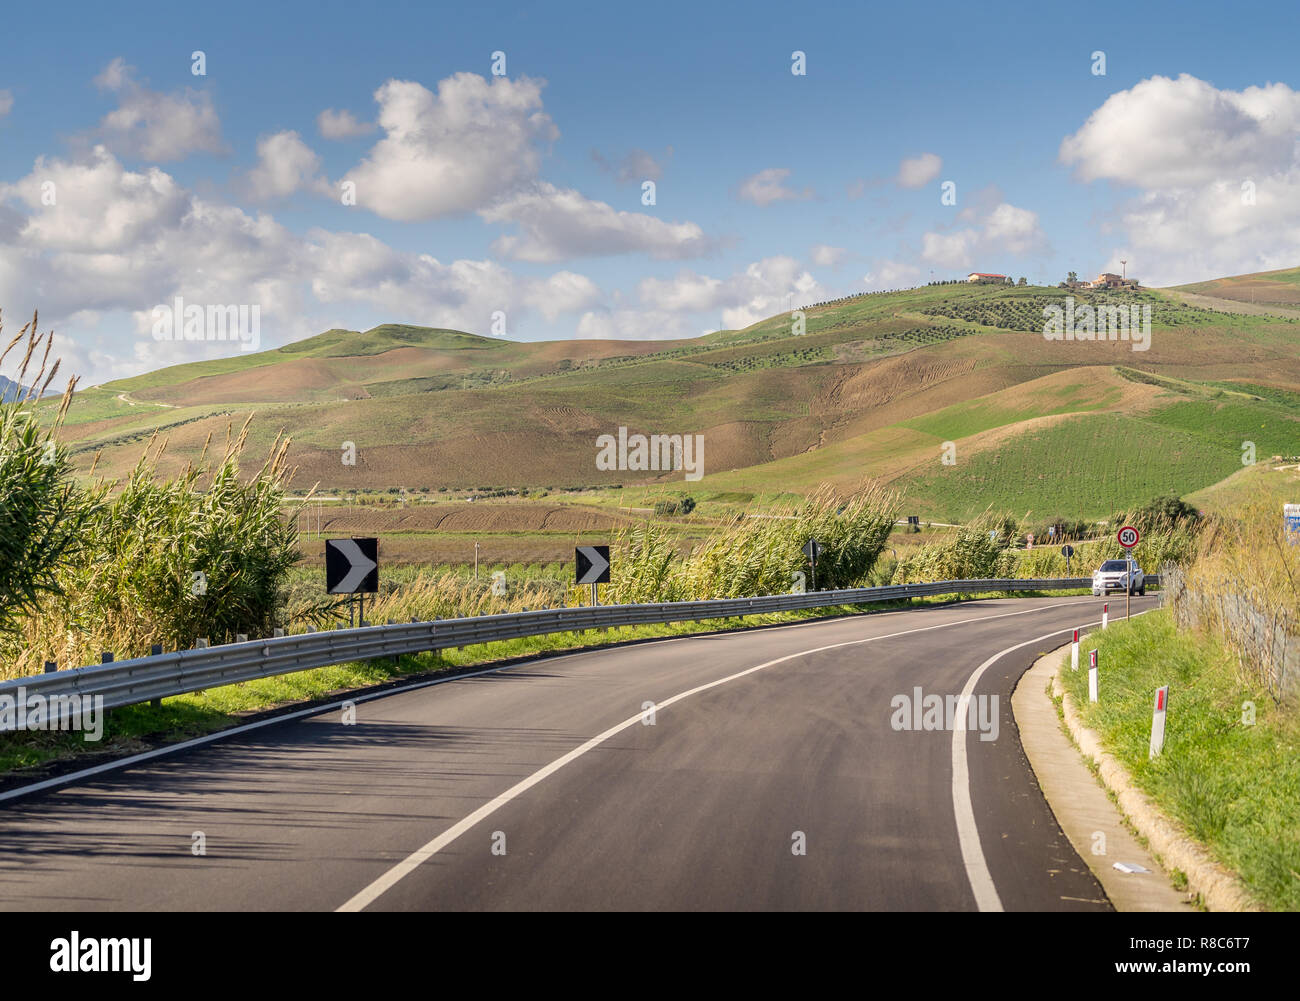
1114, 565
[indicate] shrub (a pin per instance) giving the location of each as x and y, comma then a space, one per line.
171, 560
1162, 513
42, 513
970, 554
754, 556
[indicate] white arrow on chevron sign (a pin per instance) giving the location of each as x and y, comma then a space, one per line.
361, 565
598, 565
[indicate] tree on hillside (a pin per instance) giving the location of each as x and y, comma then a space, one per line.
1073, 276
1022, 281
1164, 512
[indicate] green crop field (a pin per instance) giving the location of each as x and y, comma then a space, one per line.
1086, 467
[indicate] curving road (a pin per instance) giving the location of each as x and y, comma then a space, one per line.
551, 785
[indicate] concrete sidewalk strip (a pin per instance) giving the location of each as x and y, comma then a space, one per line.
1080, 804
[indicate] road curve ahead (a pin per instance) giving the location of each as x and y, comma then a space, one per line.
789, 768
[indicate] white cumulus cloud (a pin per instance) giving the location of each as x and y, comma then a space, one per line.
825, 256
918, 171
1003, 229
155, 126
454, 151
1216, 173
768, 186
341, 125
284, 165
560, 223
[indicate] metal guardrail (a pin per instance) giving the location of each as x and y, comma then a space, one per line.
143, 679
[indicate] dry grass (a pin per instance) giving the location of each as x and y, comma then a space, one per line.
1246, 550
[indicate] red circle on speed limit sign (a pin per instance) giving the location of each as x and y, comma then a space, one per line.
1128, 536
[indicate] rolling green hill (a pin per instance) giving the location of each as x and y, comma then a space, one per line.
879, 385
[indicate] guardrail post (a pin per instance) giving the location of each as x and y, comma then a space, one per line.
201, 643
241, 637
106, 657
277, 632
51, 666
155, 651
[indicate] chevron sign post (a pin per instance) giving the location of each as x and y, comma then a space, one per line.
591, 566
352, 567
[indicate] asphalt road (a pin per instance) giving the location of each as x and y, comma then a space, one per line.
550, 785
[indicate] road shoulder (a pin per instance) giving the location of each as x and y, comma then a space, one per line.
1081, 805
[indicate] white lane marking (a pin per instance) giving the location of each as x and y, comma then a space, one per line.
972, 853
389, 879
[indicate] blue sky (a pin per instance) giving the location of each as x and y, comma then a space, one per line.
522, 194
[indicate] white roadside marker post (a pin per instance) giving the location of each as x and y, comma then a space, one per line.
1105, 614
1074, 652
1092, 675
1158, 722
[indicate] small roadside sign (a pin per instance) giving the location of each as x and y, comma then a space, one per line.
1291, 517
591, 564
1067, 552
352, 566
1128, 536
813, 549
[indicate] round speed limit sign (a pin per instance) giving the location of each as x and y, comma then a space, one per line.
1128, 536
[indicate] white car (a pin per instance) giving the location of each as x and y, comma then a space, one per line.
1119, 575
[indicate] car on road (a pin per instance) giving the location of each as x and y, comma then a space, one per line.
1119, 575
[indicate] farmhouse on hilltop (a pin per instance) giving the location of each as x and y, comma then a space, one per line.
1103, 281
1109, 280
980, 278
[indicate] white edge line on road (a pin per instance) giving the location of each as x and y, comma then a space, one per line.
389, 879
233, 731
972, 853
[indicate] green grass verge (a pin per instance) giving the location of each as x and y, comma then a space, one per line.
1235, 787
